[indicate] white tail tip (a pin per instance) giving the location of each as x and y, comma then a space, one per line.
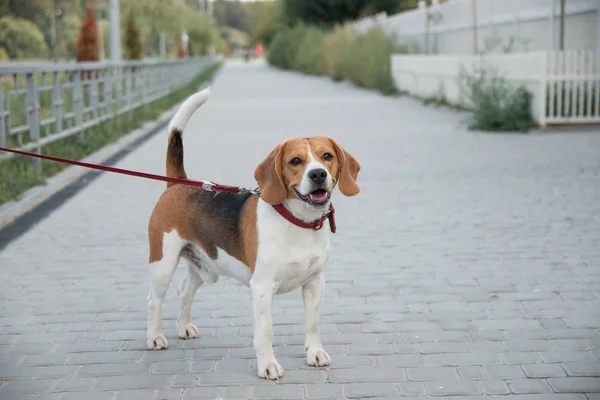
189, 106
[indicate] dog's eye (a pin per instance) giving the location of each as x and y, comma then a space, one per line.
327, 157
296, 161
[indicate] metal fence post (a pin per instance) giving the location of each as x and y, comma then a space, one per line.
58, 103
128, 89
78, 103
33, 117
94, 97
3, 115
108, 91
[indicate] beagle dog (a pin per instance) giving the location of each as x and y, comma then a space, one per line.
267, 242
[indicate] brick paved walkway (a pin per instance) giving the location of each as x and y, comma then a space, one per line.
469, 265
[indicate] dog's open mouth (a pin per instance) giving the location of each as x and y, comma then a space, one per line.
316, 197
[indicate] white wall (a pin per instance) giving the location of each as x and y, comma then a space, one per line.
527, 23
544, 74
432, 75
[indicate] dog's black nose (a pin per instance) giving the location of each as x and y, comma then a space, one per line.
318, 176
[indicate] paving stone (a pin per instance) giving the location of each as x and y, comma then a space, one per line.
543, 370
74, 385
401, 360
132, 382
501, 371
458, 359
324, 391
171, 394
134, 395
365, 390
108, 369
105, 357
565, 356
60, 371
575, 385
34, 386
412, 389
202, 393
367, 375
171, 367
472, 372
89, 396
582, 369
277, 392
490, 387
452, 388
523, 386
431, 374
443, 347
185, 380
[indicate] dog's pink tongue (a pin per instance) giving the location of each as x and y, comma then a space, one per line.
318, 196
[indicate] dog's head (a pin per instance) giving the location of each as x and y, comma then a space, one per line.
307, 169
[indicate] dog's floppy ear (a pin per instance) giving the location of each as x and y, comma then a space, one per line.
348, 171
268, 176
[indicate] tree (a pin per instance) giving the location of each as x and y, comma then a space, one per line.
62, 25
133, 45
202, 32
22, 39
169, 17
331, 12
265, 19
87, 43
180, 49
231, 13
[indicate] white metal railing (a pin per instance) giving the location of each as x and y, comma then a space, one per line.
40, 104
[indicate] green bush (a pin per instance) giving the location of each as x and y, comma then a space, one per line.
337, 45
308, 51
22, 39
496, 104
339, 53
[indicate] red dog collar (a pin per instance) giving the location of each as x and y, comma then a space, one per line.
314, 225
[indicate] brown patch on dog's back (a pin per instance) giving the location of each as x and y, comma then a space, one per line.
210, 221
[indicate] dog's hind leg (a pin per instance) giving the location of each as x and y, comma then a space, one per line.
188, 288
161, 273
197, 275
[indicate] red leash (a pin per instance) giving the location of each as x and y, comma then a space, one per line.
206, 185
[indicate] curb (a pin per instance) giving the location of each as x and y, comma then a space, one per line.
18, 216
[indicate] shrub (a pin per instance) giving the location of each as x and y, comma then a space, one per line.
3, 55
309, 51
496, 104
87, 43
223, 48
22, 39
340, 53
133, 44
336, 45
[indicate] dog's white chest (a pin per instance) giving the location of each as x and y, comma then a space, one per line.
288, 256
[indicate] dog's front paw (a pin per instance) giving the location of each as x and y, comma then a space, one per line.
157, 342
270, 369
317, 357
188, 332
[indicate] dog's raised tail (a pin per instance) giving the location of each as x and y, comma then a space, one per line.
175, 167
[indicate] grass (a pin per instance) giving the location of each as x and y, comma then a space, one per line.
17, 174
